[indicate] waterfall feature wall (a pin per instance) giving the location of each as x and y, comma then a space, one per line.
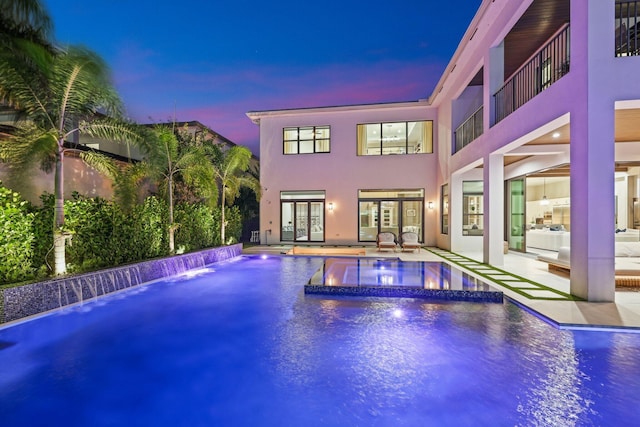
26, 300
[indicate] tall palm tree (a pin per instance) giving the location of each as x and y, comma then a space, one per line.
57, 95
168, 160
231, 174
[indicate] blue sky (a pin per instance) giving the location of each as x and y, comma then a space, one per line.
213, 61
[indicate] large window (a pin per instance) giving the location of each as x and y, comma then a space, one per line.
306, 140
394, 211
302, 216
444, 209
375, 139
472, 208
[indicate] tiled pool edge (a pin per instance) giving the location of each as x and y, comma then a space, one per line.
406, 292
35, 298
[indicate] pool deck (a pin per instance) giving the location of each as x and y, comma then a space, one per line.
518, 278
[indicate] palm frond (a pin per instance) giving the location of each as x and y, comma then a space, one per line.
29, 144
26, 19
81, 83
112, 130
23, 81
127, 184
103, 164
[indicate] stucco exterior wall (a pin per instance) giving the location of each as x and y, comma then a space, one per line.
341, 173
78, 176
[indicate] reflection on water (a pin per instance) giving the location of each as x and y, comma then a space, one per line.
451, 363
244, 346
393, 272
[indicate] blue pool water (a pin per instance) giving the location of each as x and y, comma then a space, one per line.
241, 345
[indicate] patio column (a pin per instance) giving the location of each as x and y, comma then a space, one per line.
493, 201
455, 213
592, 152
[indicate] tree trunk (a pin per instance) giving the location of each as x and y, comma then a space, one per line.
171, 227
59, 237
222, 225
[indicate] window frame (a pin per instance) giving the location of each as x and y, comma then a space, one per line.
307, 197
444, 209
368, 195
315, 141
420, 149
469, 209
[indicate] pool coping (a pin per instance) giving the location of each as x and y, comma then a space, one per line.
31, 299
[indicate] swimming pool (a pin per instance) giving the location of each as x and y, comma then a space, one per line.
241, 345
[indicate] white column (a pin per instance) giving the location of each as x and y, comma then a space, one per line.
592, 152
455, 213
493, 201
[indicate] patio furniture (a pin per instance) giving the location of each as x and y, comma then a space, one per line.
409, 241
386, 240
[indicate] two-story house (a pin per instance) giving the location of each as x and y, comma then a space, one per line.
533, 128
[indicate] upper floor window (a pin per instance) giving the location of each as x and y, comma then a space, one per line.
309, 139
375, 139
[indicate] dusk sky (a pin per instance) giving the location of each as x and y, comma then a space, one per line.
213, 61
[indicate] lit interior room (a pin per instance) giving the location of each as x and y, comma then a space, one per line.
548, 202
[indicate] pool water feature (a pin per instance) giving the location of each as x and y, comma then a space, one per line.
391, 277
242, 345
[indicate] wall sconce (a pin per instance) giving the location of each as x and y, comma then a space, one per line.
430, 205
331, 207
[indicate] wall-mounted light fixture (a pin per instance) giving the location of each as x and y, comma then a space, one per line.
430, 205
330, 207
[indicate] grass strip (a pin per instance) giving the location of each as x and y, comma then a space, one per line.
562, 296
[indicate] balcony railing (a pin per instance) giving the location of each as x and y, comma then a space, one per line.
469, 130
543, 69
627, 38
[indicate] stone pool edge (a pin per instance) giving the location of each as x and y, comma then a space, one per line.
34, 298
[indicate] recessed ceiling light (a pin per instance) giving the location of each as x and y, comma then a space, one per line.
556, 135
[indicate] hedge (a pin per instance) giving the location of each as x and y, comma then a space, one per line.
103, 235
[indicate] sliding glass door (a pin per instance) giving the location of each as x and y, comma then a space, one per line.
395, 211
516, 214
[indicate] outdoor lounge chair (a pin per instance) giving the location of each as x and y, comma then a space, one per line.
386, 240
409, 241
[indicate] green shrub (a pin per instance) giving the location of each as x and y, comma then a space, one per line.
91, 222
234, 224
16, 239
145, 231
103, 235
196, 227
43, 232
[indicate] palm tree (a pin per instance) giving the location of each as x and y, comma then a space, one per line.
231, 174
57, 95
168, 160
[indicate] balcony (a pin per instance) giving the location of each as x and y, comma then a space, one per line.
627, 36
544, 68
469, 130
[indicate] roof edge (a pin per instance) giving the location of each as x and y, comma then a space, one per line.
256, 115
